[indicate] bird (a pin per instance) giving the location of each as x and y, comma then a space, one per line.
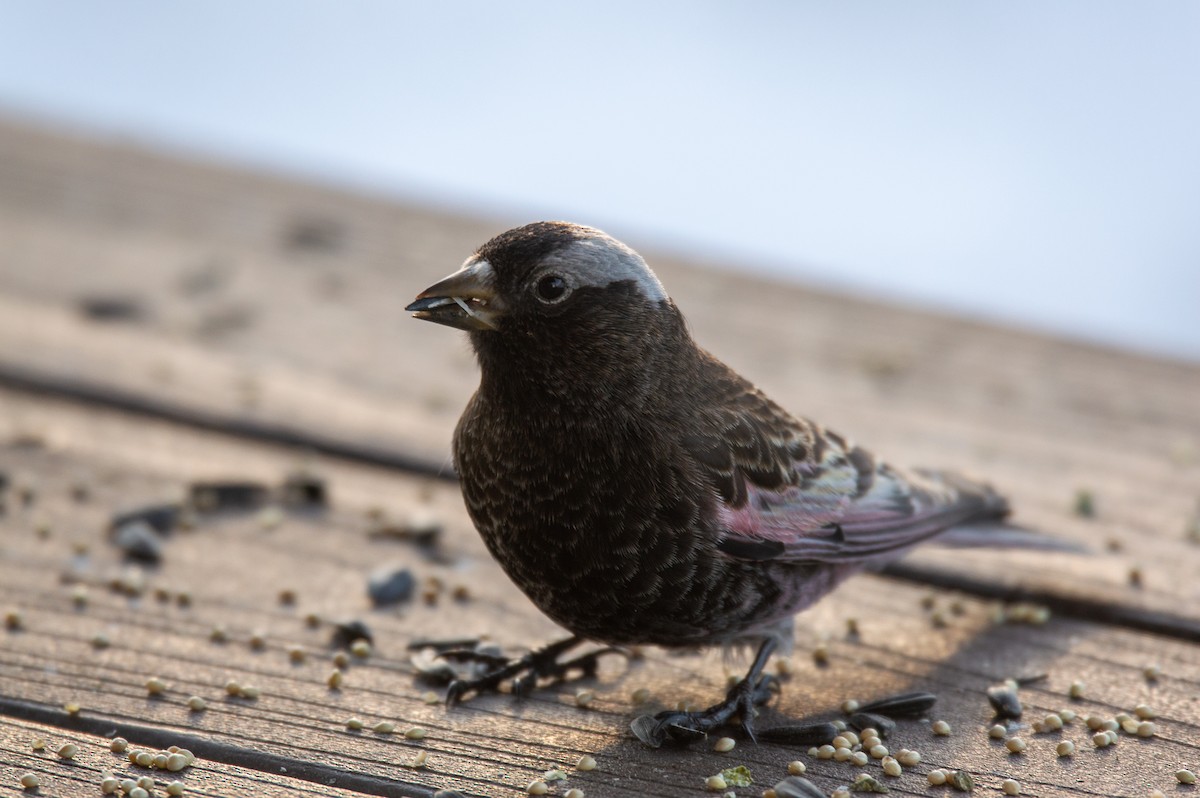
641, 492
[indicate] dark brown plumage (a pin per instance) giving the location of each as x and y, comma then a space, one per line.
640, 491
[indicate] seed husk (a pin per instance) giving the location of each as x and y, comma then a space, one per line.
1004, 701
803, 734
421, 759
961, 780
903, 705
553, 775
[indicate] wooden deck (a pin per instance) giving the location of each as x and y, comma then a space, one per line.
165, 322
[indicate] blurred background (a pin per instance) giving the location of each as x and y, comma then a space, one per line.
1028, 162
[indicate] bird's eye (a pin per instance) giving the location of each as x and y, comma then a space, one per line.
551, 288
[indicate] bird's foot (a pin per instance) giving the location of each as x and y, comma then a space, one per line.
687, 727
524, 671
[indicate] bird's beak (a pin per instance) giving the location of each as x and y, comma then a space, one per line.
466, 299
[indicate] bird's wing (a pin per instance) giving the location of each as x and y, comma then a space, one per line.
792, 490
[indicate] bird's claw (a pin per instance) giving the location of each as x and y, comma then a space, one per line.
688, 727
524, 671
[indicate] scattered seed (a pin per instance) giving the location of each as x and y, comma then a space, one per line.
941, 728
1146, 729
842, 754
553, 775
908, 758
139, 792
354, 724
155, 686
258, 641
849, 706
176, 762
335, 679
160, 761
997, 732
384, 727
250, 692
109, 785
1152, 672
1016, 745
640, 696
724, 745
878, 751
1011, 787
1067, 715
341, 659
218, 634
197, 704
417, 733
1066, 748
865, 782
1100, 739
175, 788
1185, 776
796, 768
961, 780
29, 781
1078, 689
574, 792
232, 688
1112, 737
146, 782
144, 759
1085, 503
820, 654
297, 654
39, 744
891, 767
936, 777
360, 648
1144, 711
586, 763
13, 620
714, 783
537, 787
860, 758
128, 785
783, 666
826, 752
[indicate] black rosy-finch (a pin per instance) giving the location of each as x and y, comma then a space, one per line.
640, 491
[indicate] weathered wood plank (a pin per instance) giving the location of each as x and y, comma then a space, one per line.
244, 321
233, 570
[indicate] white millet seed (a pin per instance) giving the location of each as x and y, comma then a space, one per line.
584, 698
1016, 745
841, 742
354, 724
841, 754
384, 727
360, 648
250, 691
1112, 737
1100, 739
1130, 726
1066, 748
941, 728
1067, 715
891, 767
796, 768
1078, 689
724, 745
197, 704
1011, 787
118, 745
860, 758
1146, 729
574, 792
68, 751
713, 783
232, 687
878, 751
191, 758
936, 777
997, 732
1110, 725
335, 679
851, 737
109, 785
415, 733
421, 759
820, 655
1152, 672
160, 761
296, 654
839, 724
1144, 711
908, 758
826, 752
155, 686
1052, 722
1185, 776
849, 706
341, 659
30, 781
430, 697
814, 751
586, 763
258, 641
138, 792
175, 788
146, 782
176, 762
128, 786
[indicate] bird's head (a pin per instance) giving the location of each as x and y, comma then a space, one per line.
551, 292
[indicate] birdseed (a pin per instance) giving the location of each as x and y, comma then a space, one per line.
128, 786
713, 783
197, 704
1011, 787
1146, 729
997, 732
574, 792
1016, 745
860, 758
416, 733
941, 728
160, 761
584, 698
297, 654
1185, 776
796, 768
936, 777
39, 744
891, 767
1152, 673
1100, 739
724, 745
139, 792
232, 688
155, 686
908, 758
29, 781
354, 724
586, 763
68, 751
360, 648
1078, 689
335, 679
849, 706
384, 727
421, 759
1066, 748
820, 655
109, 785
175, 788
250, 692
176, 762
878, 751
1144, 711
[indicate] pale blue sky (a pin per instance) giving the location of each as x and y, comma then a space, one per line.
1032, 161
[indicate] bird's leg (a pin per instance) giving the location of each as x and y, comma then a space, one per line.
754, 689
524, 671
